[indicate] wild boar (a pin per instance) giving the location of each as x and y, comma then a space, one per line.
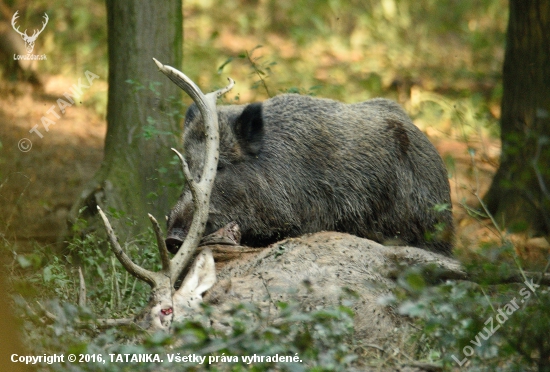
296, 164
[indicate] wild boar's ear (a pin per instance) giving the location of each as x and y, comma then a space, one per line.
249, 128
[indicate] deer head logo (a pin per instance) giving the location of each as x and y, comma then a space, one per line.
29, 40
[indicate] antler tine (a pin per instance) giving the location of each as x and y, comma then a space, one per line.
14, 18
222, 91
151, 278
201, 194
182, 81
185, 168
163, 251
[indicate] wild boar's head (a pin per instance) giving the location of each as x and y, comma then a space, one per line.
241, 132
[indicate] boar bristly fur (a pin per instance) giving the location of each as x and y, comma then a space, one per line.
296, 164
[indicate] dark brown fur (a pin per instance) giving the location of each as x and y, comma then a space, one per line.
296, 164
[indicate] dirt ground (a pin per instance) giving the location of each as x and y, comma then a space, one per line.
38, 187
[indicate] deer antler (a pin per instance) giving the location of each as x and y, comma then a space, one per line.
13, 19
159, 311
200, 190
36, 32
154, 279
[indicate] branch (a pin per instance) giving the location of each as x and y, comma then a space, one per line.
82, 289
101, 323
108, 323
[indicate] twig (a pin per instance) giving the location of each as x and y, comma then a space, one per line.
488, 299
257, 71
373, 346
46, 312
82, 289
115, 281
102, 323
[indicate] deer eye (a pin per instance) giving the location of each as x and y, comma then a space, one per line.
167, 311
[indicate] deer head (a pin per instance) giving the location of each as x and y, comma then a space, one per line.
29, 40
165, 303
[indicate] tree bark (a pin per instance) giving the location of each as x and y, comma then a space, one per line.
519, 195
143, 116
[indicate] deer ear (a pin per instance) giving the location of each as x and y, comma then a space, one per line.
202, 275
249, 128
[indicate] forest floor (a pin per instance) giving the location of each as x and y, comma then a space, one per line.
38, 187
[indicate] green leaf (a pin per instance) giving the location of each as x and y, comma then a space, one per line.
47, 274
227, 61
23, 261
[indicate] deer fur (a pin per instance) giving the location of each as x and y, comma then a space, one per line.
316, 271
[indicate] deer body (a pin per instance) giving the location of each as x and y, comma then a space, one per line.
316, 271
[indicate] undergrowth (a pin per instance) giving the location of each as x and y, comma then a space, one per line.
320, 340
481, 326
485, 325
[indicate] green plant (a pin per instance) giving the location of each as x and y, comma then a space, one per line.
481, 324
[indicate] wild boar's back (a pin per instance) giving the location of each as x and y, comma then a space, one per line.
296, 164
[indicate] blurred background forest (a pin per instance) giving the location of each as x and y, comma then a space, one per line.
441, 60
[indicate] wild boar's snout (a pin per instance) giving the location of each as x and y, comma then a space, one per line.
174, 240
178, 222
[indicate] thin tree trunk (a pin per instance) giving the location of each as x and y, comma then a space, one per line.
519, 196
143, 115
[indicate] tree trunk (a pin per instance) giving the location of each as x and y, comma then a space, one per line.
143, 116
519, 196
